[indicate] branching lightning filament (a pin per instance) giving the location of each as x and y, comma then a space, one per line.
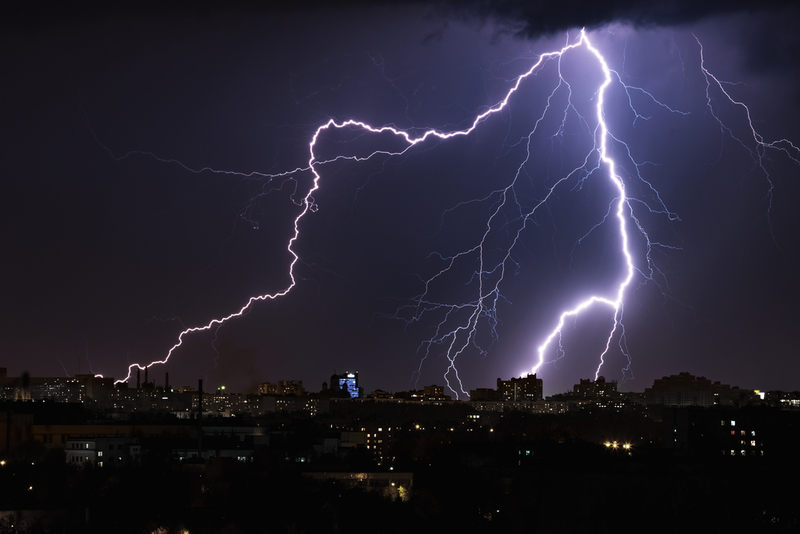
458, 323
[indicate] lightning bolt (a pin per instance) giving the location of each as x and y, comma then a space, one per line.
598, 159
756, 146
623, 212
457, 331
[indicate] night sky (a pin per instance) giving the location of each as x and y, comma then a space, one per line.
136, 144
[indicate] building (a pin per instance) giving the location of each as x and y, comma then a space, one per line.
291, 387
747, 432
347, 382
103, 451
527, 388
380, 439
598, 389
685, 389
435, 393
484, 394
268, 388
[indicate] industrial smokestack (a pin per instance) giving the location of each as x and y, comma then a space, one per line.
145, 377
138, 378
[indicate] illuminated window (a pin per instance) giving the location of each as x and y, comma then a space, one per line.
753, 443
753, 433
733, 423
733, 452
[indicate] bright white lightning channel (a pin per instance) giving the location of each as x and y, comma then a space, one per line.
623, 213
484, 306
458, 338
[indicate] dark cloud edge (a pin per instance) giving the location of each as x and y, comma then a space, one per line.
526, 17
538, 17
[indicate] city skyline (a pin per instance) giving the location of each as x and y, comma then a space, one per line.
115, 244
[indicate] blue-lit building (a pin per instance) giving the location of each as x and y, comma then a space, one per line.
348, 382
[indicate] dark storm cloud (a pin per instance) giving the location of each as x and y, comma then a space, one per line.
543, 16
534, 16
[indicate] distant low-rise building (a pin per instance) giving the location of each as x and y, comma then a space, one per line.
786, 400
484, 394
103, 451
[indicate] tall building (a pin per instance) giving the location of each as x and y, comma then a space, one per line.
682, 389
598, 389
527, 388
347, 382
268, 388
